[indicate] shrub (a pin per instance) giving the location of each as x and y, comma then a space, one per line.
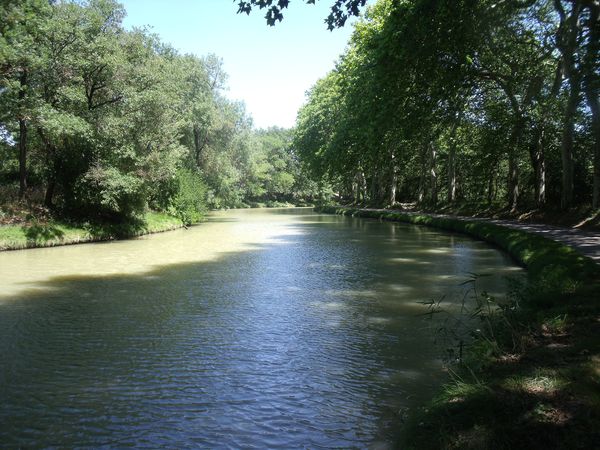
110, 192
189, 202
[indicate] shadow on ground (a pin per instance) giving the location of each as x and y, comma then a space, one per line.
544, 397
37, 234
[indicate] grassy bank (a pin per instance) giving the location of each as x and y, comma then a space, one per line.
581, 216
531, 378
56, 232
27, 227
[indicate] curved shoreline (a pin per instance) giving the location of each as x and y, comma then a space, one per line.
56, 234
532, 383
535, 252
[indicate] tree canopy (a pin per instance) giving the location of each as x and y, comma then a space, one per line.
433, 101
479, 101
104, 122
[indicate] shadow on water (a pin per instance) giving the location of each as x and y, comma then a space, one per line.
309, 340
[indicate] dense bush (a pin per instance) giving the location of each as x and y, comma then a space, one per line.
189, 202
107, 192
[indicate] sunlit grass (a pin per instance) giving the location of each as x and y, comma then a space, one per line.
55, 232
458, 391
544, 381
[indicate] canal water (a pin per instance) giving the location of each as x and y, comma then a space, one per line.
257, 329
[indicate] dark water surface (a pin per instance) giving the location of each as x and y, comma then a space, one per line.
258, 329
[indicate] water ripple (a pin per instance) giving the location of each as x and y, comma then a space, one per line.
309, 341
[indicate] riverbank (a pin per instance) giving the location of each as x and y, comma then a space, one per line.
53, 232
581, 217
19, 233
578, 228
531, 377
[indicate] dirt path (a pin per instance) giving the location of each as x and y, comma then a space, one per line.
586, 242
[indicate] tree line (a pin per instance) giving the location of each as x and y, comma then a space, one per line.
104, 122
446, 100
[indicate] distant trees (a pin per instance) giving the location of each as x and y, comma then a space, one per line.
479, 101
109, 121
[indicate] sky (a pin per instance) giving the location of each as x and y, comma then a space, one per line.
269, 68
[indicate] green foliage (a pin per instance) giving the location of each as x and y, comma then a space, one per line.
188, 203
340, 10
462, 100
108, 118
110, 192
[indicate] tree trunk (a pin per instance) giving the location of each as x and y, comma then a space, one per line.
452, 161
538, 161
56, 169
567, 39
452, 173
433, 174
392, 190
423, 176
566, 148
393, 181
22, 138
513, 165
594, 104
54, 165
513, 181
381, 187
197, 146
22, 157
591, 87
373, 188
537, 150
541, 185
363, 186
491, 193
48, 198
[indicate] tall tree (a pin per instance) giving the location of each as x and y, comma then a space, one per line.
22, 28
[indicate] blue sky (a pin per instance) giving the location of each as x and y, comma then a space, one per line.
269, 68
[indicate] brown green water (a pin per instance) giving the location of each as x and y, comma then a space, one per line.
258, 329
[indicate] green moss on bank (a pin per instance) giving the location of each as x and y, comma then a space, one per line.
536, 384
56, 232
